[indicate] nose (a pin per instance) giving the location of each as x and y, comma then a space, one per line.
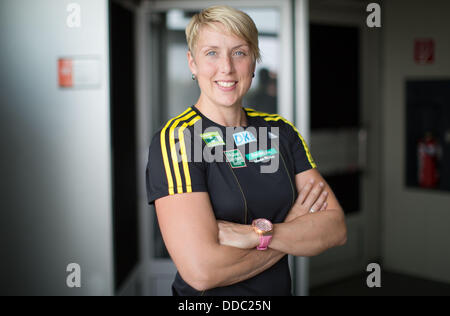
226, 64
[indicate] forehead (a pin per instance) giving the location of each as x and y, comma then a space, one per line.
218, 36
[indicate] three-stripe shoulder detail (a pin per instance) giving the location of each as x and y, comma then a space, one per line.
188, 118
275, 117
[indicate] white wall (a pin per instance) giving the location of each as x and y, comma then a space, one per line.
55, 181
416, 224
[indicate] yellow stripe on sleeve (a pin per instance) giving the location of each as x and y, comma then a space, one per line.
173, 151
276, 117
187, 174
165, 155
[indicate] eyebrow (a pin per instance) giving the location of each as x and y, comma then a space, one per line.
215, 47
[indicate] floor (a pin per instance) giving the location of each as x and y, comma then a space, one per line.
392, 284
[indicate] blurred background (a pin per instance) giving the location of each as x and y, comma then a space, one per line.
84, 84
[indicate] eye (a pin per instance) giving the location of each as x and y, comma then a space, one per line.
211, 53
240, 53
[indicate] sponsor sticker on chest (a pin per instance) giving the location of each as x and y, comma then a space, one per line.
262, 155
235, 158
243, 138
212, 139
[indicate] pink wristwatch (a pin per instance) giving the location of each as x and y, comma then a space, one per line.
264, 228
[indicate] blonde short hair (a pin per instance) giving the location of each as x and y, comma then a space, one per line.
235, 21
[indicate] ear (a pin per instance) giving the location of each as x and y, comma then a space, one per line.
191, 63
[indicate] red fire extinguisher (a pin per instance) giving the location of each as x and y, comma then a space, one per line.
428, 151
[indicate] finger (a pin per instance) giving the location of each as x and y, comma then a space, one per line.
304, 192
314, 195
324, 207
318, 205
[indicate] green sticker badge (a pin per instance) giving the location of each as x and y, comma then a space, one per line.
261, 155
212, 139
235, 158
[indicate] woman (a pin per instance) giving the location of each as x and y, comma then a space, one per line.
230, 215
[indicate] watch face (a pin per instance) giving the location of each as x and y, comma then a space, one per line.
263, 225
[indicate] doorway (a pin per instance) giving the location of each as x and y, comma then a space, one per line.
164, 69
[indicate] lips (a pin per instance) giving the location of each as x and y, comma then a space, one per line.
226, 85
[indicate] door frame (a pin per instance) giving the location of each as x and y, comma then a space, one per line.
150, 267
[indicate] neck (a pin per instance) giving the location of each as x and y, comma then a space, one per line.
232, 115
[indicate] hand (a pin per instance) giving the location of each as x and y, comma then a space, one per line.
237, 235
311, 197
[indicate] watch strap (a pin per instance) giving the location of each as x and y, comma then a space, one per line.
264, 241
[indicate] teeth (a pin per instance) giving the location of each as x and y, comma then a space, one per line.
226, 84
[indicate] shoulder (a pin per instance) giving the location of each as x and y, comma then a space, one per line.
170, 129
286, 128
271, 119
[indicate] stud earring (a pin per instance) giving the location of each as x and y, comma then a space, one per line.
193, 77
253, 75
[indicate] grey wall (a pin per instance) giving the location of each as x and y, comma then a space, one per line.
55, 179
416, 223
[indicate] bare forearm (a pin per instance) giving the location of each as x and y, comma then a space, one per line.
311, 234
232, 265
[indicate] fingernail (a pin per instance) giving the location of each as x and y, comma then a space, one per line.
325, 193
311, 181
321, 184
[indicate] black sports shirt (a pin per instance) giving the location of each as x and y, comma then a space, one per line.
249, 172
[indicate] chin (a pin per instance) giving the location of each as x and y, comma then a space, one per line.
228, 102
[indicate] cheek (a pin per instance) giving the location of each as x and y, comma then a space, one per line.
245, 69
207, 69
246, 77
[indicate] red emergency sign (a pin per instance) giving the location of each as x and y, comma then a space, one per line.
65, 73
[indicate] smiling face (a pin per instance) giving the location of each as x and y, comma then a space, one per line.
223, 65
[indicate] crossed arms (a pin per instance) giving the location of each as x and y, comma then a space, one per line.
210, 253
